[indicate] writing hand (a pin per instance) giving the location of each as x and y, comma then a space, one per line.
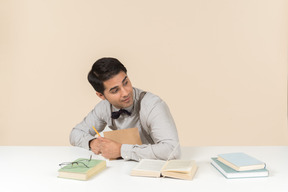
110, 149
95, 146
106, 147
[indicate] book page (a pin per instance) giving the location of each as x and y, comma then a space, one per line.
178, 165
150, 165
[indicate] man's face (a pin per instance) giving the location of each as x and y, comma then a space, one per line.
118, 91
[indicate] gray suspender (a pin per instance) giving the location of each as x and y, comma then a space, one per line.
146, 135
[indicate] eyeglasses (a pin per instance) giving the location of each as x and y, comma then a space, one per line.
84, 162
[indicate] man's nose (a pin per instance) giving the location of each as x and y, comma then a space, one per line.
124, 92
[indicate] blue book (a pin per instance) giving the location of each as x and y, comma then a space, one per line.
241, 161
230, 173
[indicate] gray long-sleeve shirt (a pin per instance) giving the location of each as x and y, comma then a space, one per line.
154, 117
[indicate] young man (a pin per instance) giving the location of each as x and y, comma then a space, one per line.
124, 106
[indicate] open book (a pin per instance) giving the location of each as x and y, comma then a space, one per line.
179, 169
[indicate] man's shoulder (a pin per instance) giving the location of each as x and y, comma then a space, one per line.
148, 97
102, 106
150, 101
153, 106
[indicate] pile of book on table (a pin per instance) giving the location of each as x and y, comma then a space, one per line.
239, 165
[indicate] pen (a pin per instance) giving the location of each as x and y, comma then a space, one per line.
96, 131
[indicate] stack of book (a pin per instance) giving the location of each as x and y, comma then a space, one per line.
239, 165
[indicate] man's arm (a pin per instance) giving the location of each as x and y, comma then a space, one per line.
83, 132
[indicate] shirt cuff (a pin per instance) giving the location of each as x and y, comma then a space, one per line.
88, 139
89, 143
126, 151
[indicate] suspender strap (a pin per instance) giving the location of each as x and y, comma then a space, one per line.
146, 135
142, 94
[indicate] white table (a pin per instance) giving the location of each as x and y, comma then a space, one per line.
35, 169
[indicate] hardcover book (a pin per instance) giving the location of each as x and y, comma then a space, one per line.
230, 173
124, 136
80, 171
241, 161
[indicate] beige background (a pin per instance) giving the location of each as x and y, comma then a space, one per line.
220, 65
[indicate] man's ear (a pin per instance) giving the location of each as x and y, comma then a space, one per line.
100, 95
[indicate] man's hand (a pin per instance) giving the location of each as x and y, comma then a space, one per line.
108, 148
95, 146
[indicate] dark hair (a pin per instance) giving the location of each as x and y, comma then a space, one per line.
103, 70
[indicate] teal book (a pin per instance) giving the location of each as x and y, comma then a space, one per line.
79, 171
241, 161
230, 173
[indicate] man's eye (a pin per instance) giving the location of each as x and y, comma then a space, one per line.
114, 91
125, 83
